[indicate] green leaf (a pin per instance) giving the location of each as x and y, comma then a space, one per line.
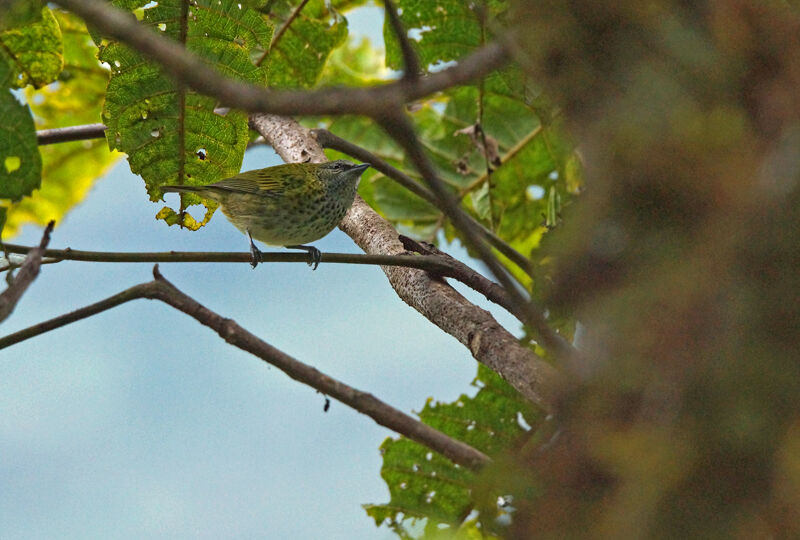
173, 135
423, 484
20, 162
15, 13
439, 31
31, 54
69, 170
300, 50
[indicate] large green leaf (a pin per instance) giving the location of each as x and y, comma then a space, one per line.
171, 134
440, 31
423, 484
20, 163
31, 54
300, 50
69, 170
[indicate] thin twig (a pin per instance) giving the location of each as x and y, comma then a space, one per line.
397, 125
437, 263
283, 29
231, 332
195, 73
411, 65
30, 269
71, 133
329, 140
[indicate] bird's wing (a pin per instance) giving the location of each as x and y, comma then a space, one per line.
251, 182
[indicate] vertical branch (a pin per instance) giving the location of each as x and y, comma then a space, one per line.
30, 269
410, 60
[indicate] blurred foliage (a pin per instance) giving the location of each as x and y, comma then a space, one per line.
426, 486
680, 262
19, 13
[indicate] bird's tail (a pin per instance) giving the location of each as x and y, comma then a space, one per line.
183, 189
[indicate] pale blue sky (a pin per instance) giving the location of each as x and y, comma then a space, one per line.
141, 423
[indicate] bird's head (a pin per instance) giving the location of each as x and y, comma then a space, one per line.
341, 170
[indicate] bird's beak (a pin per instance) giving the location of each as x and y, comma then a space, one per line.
361, 168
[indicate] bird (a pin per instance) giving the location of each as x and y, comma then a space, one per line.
287, 205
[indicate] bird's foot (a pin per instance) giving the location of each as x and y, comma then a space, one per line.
315, 255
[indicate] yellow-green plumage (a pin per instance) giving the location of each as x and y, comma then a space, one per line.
288, 205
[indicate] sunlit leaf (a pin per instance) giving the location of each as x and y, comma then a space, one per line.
31, 54
69, 170
354, 64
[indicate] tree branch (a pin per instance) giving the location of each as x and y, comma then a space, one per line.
30, 269
329, 140
380, 412
487, 340
190, 69
71, 133
279, 34
433, 261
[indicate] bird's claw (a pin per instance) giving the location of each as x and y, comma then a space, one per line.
315, 255
255, 256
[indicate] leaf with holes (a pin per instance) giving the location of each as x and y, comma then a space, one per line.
307, 33
31, 54
173, 135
